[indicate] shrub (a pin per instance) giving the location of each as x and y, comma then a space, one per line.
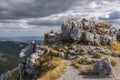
86, 71
76, 65
103, 25
113, 62
14, 74
115, 48
84, 60
53, 52
55, 70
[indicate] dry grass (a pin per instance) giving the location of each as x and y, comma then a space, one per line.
53, 70
103, 25
48, 68
53, 52
84, 60
14, 74
115, 48
86, 71
76, 65
113, 62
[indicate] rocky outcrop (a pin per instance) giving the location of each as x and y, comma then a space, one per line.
118, 35
103, 68
70, 28
85, 32
107, 40
88, 32
28, 59
52, 37
5, 76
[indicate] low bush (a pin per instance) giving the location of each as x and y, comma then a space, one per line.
76, 65
86, 71
115, 48
113, 62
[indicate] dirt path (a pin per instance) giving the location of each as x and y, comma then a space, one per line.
73, 74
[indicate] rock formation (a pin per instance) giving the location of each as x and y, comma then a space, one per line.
5, 76
28, 59
118, 35
52, 37
90, 39
85, 32
103, 68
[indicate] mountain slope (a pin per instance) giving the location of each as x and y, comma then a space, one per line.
9, 52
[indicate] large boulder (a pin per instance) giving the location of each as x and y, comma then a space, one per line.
89, 32
103, 68
87, 38
76, 34
113, 31
107, 40
68, 27
87, 24
96, 39
28, 59
118, 35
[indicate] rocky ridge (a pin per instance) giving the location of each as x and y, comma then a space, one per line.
81, 42
85, 32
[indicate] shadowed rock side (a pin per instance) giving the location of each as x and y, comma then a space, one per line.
103, 68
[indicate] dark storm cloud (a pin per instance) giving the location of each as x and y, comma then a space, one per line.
13, 9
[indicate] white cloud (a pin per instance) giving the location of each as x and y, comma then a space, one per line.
99, 10
93, 4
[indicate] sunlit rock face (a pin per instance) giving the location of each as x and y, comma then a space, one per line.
88, 32
118, 35
71, 29
84, 31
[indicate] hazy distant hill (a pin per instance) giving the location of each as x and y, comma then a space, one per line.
22, 38
9, 52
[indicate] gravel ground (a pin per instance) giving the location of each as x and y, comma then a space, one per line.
73, 74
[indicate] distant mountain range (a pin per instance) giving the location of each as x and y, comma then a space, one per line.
22, 38
26, 39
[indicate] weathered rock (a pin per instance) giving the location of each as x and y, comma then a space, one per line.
5, 76
87, 38
27, 61
107, 40
96, 55
82, 51
99, 50
96, 39
76, 34
87, 24
118, 35
113, 31
68, 27
52, 37
71, 52
62, 55
103, 68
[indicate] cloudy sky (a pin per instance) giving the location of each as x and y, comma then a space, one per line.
34, 17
